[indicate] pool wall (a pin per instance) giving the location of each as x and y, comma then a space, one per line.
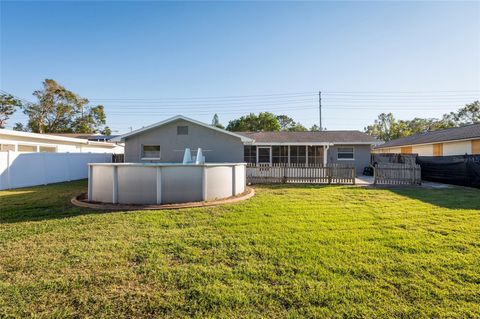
137, 183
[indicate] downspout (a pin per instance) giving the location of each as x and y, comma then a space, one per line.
325, 154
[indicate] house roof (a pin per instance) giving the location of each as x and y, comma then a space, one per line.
52, 138
181, 117
75, 135
310, 138
452, 134
91, 137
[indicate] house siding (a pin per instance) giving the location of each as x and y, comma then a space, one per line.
361, 156
216, 146
457, 148
437, 149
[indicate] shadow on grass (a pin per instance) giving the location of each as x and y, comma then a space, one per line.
42, 202
455, 197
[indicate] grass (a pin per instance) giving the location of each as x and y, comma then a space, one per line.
294, 251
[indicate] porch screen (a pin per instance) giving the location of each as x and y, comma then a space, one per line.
315, 155
279, 154
250, 154
298, 154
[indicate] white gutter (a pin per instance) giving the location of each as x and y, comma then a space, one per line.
52, 138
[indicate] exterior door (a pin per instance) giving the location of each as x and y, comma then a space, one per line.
264, 155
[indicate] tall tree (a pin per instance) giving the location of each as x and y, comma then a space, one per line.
59, 110
264, 121
288, 124
8, 105
216, 122
386, 128
469, 114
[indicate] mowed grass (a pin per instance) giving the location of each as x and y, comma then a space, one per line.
291, 251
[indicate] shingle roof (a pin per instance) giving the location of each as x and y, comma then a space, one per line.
311, 137
451, 134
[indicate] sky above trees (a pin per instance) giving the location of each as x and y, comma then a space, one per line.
146, 61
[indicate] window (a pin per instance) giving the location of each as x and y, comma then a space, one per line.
315, 155
150, 151
7, 147
250, 154
298, 154
345, 153
48, 149
263, 155
182, 130
27, 148
279, 154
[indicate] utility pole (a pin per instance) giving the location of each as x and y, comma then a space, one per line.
320, 109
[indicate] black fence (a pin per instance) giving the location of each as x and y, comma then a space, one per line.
461, 170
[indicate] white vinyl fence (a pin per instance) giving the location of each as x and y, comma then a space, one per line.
29, 169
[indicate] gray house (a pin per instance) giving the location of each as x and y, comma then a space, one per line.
166, 141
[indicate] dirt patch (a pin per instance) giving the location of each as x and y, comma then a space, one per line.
82, 201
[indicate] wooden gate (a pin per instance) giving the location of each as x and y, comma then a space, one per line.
397, 174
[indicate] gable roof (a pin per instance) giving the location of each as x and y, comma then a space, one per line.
309, 138
452, 134
180, 117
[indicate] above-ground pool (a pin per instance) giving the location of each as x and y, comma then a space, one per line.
164, 183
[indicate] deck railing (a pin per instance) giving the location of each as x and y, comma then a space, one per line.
300, 173
397, 174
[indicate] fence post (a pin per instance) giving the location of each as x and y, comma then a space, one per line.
353, 175
374, 175
329, 174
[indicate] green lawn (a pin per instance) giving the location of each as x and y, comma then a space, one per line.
305, 251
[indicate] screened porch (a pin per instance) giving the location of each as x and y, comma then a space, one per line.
309, 155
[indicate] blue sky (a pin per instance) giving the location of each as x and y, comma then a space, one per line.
145, 61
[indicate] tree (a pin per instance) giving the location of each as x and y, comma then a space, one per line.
469, 114
386, 128
59, 110
8, 106
288, 124
315, 128
91, 121
264, 121
20, 127
216, 122
106, 131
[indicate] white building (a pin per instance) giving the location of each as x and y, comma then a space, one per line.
17, 141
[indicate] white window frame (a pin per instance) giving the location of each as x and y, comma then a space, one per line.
258, 154
151, 158
346, 159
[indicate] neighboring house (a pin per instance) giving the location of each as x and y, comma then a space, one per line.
91, 137
453, 141
166, 141
18, 141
